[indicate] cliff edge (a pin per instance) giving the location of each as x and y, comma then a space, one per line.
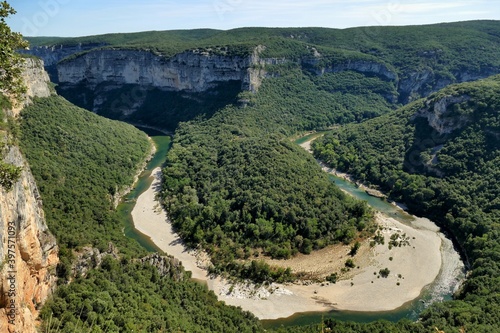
28, 251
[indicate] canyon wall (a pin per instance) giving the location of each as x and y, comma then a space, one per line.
28, 251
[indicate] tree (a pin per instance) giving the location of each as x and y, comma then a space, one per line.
10, 62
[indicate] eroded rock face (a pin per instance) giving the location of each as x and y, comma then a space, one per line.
28, 252
422, 83
36, 78
191, 71
167, 266
37, 84
198, 71
361, 66
437, 114
51, 55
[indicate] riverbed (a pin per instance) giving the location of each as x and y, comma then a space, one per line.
153, 230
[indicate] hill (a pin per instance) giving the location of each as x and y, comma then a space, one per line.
440, 157
80, 162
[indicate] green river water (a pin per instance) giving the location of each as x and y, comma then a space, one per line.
162, 143
442, 289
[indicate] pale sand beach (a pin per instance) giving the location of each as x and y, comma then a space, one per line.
413, 266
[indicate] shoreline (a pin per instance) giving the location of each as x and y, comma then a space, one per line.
352, 292
121, 194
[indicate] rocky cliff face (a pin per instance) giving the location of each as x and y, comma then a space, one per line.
419, 84
198, 70
37, 83
28, 251
361, 66
437, 114
51, 55
192, 71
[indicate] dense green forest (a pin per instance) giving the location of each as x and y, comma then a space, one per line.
235, 190
79, 161
235, 184
131, 296
441, 157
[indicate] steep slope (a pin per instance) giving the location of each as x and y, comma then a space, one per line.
417, 60
312, 78
439, 156
81, 161
28, 252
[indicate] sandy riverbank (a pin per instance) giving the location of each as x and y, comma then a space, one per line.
360, 289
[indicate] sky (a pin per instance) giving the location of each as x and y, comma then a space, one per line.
70, 18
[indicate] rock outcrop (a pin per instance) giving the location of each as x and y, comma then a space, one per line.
167, 266
191, 71
28, 251
361, 66
419, 84
197, 70
437, 114
51, 55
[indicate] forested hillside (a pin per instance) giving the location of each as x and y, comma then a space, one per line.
80, 160
448, 48
235, 184
440, 156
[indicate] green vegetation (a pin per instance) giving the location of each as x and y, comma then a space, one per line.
447, 53
236, 185
11, 85
9, 175
10, 62
129, 296
235, 182
384, 272
449, 173
80, 160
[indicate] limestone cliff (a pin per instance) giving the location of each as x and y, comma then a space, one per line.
37, 83
192, 71
28, 251
437, 113
51, 55
197, 70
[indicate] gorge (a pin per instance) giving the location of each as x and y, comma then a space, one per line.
235, 185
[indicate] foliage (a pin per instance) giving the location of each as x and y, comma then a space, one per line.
447, 170
332, 278
128, 296
233, 182
384, 272
80, 161
10, 62
9, 175
230, 185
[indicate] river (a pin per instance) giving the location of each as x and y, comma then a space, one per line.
448, 280
162, 143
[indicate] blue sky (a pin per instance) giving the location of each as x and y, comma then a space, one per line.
90, 17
